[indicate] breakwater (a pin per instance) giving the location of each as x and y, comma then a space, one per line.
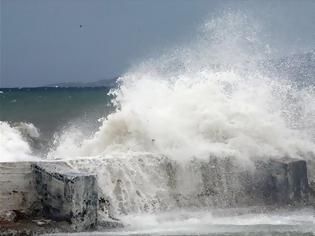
41, 197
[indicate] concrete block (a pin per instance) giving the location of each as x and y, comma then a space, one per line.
282, 182
66, 194
17, 189
298, 181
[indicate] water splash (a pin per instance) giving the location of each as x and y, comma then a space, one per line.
207, 98
14, 144
211, 98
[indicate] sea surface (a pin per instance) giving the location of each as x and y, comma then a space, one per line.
53, 109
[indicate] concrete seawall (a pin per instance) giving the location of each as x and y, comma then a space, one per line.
17, 188
41, 197
34, 197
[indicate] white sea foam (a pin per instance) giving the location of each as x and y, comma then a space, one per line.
219, 217
228, 222
28, 129
206, 98
13, 146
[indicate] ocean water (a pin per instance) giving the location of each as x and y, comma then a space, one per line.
48, 111
150, 138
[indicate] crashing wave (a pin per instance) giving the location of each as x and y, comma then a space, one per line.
14, 144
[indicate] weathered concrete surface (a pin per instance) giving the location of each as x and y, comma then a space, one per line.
212, 183
278, 182
298, 181
17, 188
71, 197
67, 195
311, 178
282, 182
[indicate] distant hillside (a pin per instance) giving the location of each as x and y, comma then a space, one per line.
100, 83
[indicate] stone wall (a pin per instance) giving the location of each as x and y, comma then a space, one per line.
149, 183
66, 194
282, 182
70, 194
17, 188
49, 190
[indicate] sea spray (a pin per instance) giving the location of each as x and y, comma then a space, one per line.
188, 125
202, 113
145, 182
14, 145
210, 97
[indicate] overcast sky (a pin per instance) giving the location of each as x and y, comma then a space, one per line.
49, 41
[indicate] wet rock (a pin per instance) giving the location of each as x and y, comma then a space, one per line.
66, 194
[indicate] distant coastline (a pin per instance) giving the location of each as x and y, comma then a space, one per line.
103, 83
99, 83
296, 67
